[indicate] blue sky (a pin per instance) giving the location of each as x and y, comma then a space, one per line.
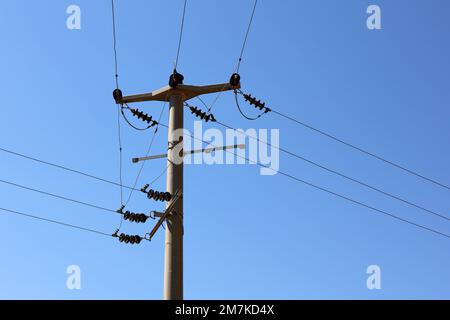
247, 236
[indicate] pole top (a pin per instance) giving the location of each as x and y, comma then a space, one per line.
186, 91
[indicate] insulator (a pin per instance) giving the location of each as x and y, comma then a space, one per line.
117, 95
144, 188
134, 217
144, 117
175, 79
235, 80
202, 115
138, 239
257, 103
131, 239
158, 195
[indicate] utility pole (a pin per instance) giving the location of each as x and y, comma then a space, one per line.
176, 93
173, 256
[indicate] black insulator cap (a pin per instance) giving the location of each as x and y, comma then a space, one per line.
138, 239
117, 94
235, 79
175, 79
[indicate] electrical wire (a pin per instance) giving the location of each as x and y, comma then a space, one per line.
63, 167
128, 121
246, 37
119, 134
56, 196
292, 177
364, 151
55, 222
181, 34
442, 216
219, 94
208, 108
116, 68
119, 107
240, 110
146, 154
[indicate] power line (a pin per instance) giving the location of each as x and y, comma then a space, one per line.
341, 174
330, 136
57, 196
333, 193
246, 37
146, 154
181, 34
218, 95
115, 44
55, 222
119, 135
63, 168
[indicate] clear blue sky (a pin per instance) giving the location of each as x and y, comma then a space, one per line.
247, 236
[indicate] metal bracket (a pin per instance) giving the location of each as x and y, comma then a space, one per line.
204, 150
